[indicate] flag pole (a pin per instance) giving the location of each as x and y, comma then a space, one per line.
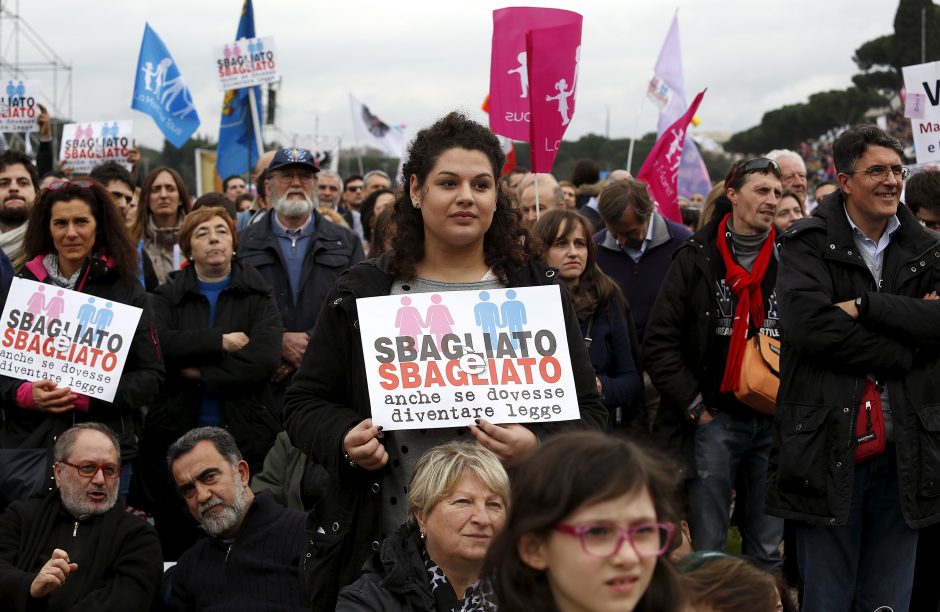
636, 126
256, 123
537, 215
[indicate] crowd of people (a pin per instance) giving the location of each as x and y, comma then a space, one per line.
764, 366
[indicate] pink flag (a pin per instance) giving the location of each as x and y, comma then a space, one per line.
660, 171
510, 66
554, 58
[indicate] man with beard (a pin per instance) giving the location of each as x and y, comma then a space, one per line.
18, 181
298, 253
251, 561
75, 549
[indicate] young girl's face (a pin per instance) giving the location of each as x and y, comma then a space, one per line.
580, 579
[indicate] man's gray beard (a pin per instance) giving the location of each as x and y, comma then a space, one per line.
218, 523
78, 505
294, 209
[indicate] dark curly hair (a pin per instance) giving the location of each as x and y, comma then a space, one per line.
111, 236
505, 241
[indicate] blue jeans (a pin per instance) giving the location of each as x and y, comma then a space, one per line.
727, 448
868, 562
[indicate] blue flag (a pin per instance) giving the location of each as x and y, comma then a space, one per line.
160, 91
237, 151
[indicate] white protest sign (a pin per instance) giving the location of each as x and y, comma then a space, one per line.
924, 79
19, 106
445, 359
74, 339
246, 62
86, 145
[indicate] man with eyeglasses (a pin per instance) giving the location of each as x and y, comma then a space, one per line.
298, 252
792, 172
858, 289
76, 549
353, 192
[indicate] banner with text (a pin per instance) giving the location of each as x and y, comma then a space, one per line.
85, 145
445, 359
73, 339
924, 80
19, 108
246, 62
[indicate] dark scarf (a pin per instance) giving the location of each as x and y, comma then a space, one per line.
750, 309
476, 599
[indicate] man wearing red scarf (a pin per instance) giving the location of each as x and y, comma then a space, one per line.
719, 291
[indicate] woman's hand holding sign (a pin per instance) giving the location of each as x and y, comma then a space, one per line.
362, 446
512, 443
50, 398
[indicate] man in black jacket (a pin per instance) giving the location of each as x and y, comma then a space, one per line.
299, 254
719, 291
76, 549
252, 559
857, 287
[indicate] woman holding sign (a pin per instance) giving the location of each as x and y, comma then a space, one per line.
77, 240
456, 231
164, 201
569, 247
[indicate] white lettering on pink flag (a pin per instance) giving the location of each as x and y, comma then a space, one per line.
510, 66
554, 55
660, 171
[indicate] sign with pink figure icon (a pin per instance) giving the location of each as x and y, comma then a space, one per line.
245, 63
445, 359
513, 90
74, 339
86, 145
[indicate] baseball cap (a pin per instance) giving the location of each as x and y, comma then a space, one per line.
293, 156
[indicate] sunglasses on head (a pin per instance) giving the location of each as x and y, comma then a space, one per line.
80, 183
758, 164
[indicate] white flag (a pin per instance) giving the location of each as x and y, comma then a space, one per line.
369, 129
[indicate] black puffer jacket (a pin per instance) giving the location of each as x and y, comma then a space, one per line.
140, 381
826, 355
238, 380
395, 579
329, 396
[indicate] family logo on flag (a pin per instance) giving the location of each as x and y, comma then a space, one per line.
159, 91
660, 171
658, 92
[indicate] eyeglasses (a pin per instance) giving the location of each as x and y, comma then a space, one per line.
122, 196
603, 540
80, 183
288, 177
758, 164
88, 470
880, 173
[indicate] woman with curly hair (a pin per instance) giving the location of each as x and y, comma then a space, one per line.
455, 231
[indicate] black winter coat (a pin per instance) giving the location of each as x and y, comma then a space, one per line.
140, 381
332, 249
680, 351
329, 396
826, 355
238, 380
395, 579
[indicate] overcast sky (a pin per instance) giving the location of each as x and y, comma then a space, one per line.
413, 61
